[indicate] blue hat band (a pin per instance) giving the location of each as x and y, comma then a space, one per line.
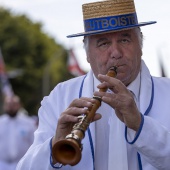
111, 22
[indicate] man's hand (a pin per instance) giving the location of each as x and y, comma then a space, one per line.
121, 100
70, 116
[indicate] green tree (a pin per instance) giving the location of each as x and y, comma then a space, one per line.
26, 47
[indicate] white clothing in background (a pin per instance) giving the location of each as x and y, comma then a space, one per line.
16, 136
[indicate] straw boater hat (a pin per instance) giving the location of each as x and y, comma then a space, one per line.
109, 16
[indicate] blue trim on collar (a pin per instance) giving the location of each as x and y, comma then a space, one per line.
152, 97
92, 147
139, 161
81, 87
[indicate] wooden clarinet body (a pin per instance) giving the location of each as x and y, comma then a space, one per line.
68, 151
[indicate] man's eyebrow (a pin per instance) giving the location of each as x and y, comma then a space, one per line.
101, 39
126, 35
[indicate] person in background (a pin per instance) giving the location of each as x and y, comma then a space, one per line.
131, 128
16, 133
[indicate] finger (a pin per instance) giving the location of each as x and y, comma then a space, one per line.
103, 87
68, 119
97, 117
112, 83
75, 111
114, 100
82, 102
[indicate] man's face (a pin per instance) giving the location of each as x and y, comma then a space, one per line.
121, 49
11, 106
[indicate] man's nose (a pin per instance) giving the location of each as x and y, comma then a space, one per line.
115, 50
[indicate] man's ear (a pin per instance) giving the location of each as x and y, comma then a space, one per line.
87, 57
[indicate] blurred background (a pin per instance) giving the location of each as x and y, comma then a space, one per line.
36, 55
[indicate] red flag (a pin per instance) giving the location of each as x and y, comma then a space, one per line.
73, 65
6, 87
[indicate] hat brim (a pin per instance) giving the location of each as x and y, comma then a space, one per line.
111, 30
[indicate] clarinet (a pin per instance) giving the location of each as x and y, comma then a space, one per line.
68, 151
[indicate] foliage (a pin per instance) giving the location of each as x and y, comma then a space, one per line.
27, 48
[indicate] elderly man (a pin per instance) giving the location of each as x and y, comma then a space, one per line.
131, 129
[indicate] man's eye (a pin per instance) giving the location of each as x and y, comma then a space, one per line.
103, 44
124, 41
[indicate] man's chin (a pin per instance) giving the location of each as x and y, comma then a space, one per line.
123, 78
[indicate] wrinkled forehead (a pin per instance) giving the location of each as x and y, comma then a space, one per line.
130, 32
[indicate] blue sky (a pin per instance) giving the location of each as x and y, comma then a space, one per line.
63, 17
